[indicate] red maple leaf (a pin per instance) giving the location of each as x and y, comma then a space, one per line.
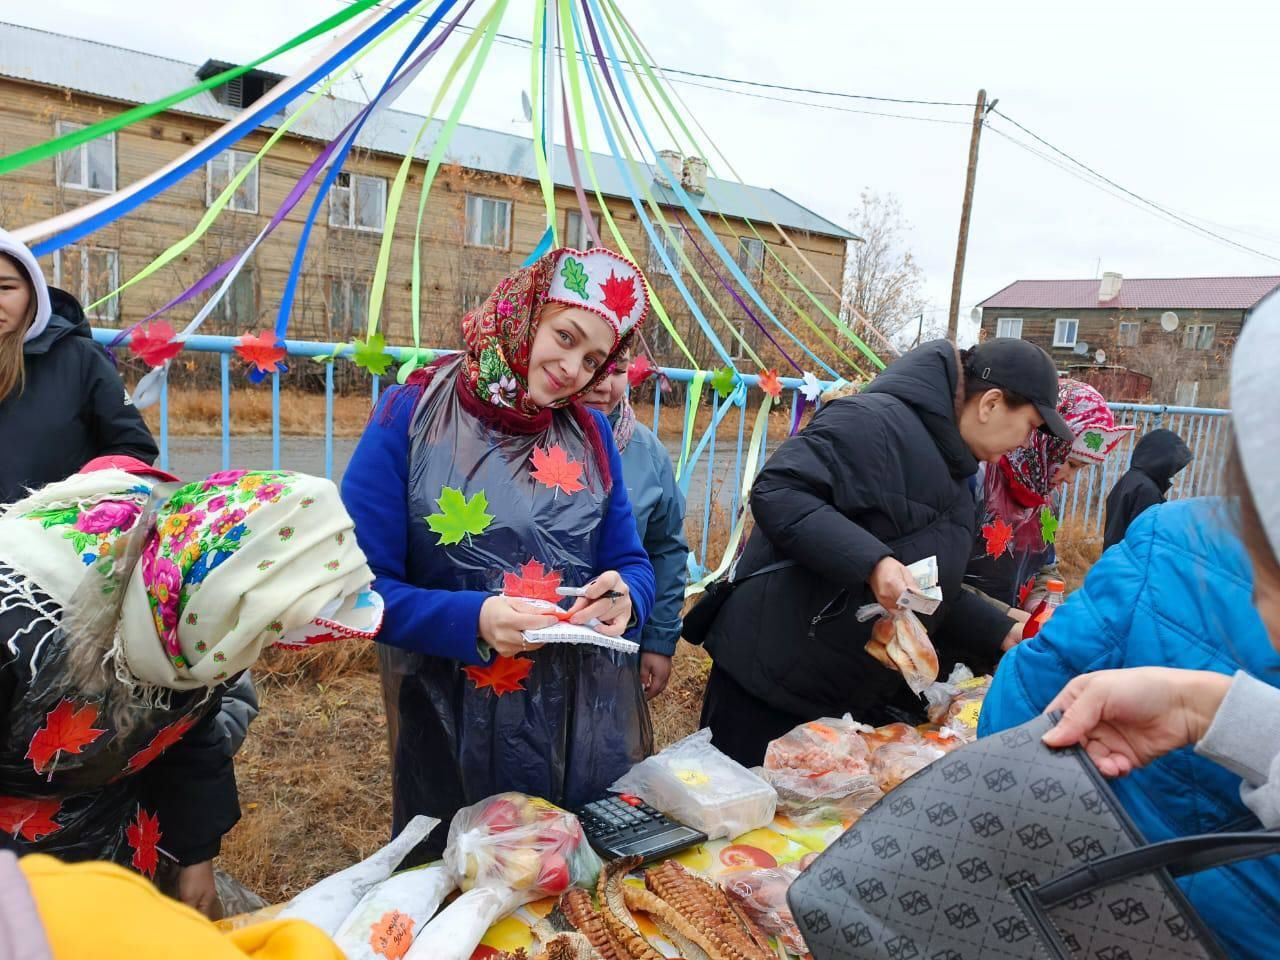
997, 536
165, 738
554, 468
619, 294
29, 818
505, 675
154, 343
1024, 591
639, 371
263, 353
66, 730
533, 582
144, 836
770, 383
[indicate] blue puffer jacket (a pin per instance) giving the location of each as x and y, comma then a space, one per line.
1176, 592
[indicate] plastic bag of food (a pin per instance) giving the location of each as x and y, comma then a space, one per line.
895, 762
331, 901
900, 642
389, 918
890, 733
821, 771
521, 843
696, 784
762, 894
456, 932
957, 703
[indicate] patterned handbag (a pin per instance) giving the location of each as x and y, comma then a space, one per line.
1007, 849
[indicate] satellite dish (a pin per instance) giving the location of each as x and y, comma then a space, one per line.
1100, 356
526, 106
1081, 347
1169, 321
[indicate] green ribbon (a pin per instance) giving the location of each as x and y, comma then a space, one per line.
691, 413
43, 151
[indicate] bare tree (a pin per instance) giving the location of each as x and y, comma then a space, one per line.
883, 284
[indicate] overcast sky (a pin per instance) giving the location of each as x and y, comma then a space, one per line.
1174, 101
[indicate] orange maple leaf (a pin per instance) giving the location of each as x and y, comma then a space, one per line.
619, 294
154, 343
29, 818
165, 738
144, 836
554, 468
997, 535
639, 371
66, 730
505, 675
533, 582
770, 383
263, 353
392, 936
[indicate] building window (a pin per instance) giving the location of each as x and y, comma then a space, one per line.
1186, 393
90, 166
1065, 332
221, 170
1009, 327
488, 222
1130, 333
576, 234
751, 256
671, 243
239, 308
358, 202
89, 274
1199, 336
348, 307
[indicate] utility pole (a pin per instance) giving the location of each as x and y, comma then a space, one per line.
980, 110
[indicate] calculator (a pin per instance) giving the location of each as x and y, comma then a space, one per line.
625, 826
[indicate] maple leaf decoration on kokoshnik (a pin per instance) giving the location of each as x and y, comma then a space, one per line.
619, 295
997, 535
144, 836
165, 738
554, 468
28, 818
155, 343
533, 582
66, 730
505, 675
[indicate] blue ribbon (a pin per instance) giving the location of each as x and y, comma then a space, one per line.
541, 250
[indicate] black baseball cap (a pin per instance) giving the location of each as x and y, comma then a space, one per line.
1022, 368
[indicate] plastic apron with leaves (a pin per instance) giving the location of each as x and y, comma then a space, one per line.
562, 722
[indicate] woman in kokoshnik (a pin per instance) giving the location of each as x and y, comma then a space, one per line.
482, 480
127, 605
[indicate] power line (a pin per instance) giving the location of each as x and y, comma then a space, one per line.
1136, 196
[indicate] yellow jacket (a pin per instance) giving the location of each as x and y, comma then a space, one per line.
104, 912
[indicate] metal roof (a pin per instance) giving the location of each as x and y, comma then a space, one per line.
1172, 293
115, 73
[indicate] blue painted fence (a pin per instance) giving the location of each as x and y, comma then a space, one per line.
1206, 431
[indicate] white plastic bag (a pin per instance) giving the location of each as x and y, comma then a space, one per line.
456, 932
696, 784
331, 901
392, 915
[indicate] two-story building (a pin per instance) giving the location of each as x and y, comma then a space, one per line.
483, 217
1175, 335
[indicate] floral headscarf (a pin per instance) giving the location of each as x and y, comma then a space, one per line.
499, 336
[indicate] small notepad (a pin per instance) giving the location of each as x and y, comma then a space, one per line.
570, 633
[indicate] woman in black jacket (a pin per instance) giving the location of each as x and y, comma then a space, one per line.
62, 403
874, 482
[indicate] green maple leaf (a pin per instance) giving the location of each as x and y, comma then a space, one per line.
1093, 440
371, 354
575, 278
458, 516
1048, 525
722, 381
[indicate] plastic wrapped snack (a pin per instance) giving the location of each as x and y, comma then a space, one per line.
762, 894
895, 762
392, 915
696, 784
900, 642
525, 844
821, 771
458, 929
891, 733
957, 703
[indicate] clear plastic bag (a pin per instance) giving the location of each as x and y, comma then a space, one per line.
392, 915
895, 762
822, 771
520, 843
900, 642
696, 784
957, 704
890, 733
763, 895
458, 929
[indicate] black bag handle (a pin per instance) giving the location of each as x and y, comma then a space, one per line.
1180, 857
770, 568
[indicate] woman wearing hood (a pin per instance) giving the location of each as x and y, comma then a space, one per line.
56, 384
874, 482
1159, 457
